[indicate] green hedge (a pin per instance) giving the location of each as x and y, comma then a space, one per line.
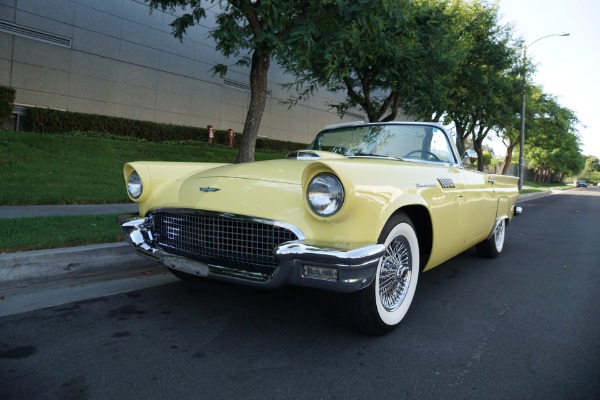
7, 98
48, 120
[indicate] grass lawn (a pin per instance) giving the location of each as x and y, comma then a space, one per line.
67, 169
35, 233
534, 187
74, 169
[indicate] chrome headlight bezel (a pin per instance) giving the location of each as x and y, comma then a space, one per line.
325, 194
135, 187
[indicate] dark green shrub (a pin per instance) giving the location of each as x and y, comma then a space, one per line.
47, 120
7, 98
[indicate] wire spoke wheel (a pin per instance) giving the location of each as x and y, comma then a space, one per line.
499, 236
492, 246
395, 274
381, 306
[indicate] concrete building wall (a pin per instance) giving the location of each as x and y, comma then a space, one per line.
115, 57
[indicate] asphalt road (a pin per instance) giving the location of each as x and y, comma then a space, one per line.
523, 326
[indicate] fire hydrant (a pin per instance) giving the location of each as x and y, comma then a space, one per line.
230, 135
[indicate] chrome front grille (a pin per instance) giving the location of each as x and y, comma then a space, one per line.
229, 244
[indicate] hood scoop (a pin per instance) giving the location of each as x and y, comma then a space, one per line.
303, 155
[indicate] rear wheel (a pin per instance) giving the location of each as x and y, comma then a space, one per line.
381, 306
492, 247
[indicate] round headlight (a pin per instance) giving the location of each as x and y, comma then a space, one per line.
325, 194
134, 185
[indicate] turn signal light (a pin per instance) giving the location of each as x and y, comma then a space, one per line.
319, 272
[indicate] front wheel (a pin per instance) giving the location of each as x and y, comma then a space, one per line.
381, 306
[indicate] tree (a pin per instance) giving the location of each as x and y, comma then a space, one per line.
252, 30
591, 171
510, 130
482, 91
380, 53
592, 164
428, 58
552, 142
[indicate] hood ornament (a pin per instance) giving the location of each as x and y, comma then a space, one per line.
209, 189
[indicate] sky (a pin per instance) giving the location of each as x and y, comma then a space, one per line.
567, 67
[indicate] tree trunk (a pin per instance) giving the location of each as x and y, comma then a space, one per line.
478, 144
258, 98
460, 132
507, 159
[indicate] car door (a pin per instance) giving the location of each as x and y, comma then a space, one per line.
478, 205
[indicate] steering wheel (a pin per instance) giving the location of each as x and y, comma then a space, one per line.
424, 152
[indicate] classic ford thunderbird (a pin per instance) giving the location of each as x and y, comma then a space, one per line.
362, 211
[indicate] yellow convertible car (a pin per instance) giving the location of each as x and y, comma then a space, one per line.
362, 211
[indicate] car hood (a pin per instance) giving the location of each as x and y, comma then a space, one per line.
265, 188
288, 170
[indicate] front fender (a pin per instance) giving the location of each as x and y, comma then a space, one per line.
155, 174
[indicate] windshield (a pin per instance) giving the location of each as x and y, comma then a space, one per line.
401, 141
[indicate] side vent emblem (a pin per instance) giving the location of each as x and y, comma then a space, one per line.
446, 183
209, 189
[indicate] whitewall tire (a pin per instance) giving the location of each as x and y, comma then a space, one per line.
381, 306
492, 246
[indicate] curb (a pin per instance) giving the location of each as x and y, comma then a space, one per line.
68, 262
530, 196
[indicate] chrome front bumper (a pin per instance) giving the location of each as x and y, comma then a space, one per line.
299, 262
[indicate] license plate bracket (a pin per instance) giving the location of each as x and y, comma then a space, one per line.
190, 267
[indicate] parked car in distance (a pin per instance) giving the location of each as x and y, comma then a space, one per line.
582, 184
362, 211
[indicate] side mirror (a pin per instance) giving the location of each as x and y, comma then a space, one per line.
470, 155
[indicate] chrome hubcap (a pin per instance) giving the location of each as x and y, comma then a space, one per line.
395, 274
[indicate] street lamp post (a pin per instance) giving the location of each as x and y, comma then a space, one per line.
522, 135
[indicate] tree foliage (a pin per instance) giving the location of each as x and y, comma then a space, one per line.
591, 171
551, 140
483, 91
592, 164
509, 130
427, 58
379, 53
